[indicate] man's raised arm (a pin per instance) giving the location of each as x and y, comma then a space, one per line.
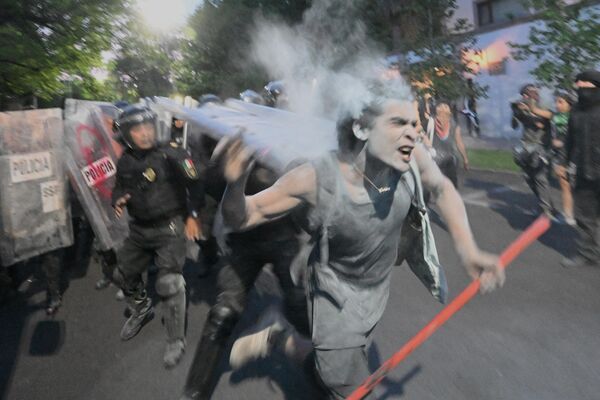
241, 212
478, 264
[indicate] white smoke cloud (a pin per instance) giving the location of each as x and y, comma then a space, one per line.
327, 63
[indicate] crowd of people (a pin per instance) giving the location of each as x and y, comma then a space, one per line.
332, 227
564, 142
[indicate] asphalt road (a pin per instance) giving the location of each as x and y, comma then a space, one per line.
536, 339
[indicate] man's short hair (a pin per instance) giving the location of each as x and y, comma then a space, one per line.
566, 95
347, 142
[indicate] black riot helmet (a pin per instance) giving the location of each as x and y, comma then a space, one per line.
131, 116
208, 98
121, 104
250, 96
275, 94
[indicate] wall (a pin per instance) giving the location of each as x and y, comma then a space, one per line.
494, 112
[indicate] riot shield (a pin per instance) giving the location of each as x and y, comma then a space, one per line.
92, 165
35, 216
165, 117
278, 137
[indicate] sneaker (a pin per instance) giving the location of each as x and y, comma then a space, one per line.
173, 353
102, 283
571, 221
551, 214
120, 296
268, 331
137, 320
577, 262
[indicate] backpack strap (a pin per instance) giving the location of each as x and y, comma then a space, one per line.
417, 244
324, 279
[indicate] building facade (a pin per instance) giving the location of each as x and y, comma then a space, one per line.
495, 24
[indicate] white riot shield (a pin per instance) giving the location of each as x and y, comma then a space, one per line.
92, 165
165, 118
35, 216
279, 137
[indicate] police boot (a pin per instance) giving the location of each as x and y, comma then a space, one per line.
172, 288
174, 312
173, 353
141, 313
53, 303
102, 283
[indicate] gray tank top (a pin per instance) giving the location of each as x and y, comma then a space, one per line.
348, 280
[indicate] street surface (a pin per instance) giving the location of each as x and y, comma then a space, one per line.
536, 339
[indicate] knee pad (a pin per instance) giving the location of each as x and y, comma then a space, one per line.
221, 321
133, 290
170, 284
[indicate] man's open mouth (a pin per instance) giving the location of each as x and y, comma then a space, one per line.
406, 151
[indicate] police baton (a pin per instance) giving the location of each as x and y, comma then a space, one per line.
531, 234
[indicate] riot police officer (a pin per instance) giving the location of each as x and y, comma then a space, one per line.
208, 98
163, 194
275, 95
532, 153
250, 96
244, 255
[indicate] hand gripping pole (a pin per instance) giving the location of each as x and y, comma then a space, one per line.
530, 235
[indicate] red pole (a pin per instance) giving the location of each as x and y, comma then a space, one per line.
531, 234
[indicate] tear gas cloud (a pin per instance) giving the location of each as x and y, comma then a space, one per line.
329, 66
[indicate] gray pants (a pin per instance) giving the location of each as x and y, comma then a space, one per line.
340, 371
537, 179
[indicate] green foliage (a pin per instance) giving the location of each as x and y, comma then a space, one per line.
441, 70
494, 160
144, 62
565, 43
378, 22
214, 55
434, 55
44, 41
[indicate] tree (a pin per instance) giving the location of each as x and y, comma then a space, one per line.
434, 56
564, 42
40, 41
144, 62
215, 56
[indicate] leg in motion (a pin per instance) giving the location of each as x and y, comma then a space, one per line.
171, 288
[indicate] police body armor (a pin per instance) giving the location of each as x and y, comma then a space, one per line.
156, 183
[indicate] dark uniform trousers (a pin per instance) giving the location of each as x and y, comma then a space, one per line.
52, 266
163, 243
244, 262
587, 214
244, 265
